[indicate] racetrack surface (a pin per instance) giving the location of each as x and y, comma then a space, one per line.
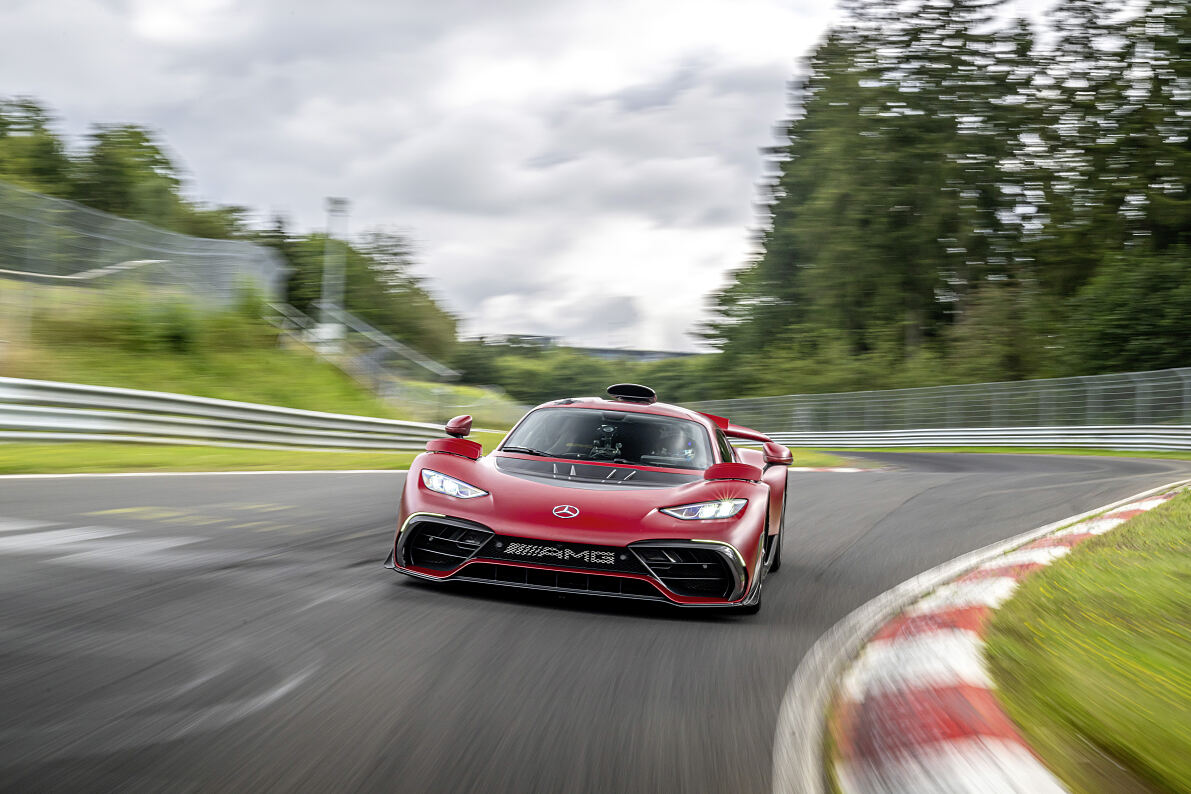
239, 632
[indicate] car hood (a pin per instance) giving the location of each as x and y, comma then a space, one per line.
591, 476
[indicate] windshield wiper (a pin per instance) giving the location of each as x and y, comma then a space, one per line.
528, 451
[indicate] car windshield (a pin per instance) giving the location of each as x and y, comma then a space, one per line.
636, 439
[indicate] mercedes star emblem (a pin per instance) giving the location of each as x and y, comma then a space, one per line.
566, 511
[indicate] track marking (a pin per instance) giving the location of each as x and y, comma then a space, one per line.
19, 525
131, 554
40, 541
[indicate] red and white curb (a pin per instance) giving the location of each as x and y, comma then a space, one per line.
916, 711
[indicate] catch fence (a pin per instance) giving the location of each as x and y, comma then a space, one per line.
50, 241
1132, 410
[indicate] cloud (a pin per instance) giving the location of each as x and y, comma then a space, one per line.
582, 168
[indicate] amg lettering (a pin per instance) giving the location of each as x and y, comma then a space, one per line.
588, 555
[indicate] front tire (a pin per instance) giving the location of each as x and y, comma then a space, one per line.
781, 536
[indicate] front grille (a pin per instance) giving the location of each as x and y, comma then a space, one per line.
565, 555
688, 570
593, 583
441, 546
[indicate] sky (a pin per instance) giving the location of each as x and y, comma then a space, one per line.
577, 168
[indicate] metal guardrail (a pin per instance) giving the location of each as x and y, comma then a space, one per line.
36, 410
1124, 437
1130, 410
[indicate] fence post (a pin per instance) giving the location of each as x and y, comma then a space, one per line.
1137, 392
1091, 401
1185, 377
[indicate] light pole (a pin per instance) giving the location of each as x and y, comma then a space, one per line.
334, 262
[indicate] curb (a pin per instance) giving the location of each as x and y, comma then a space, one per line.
798, 763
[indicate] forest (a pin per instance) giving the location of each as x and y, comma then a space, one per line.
964, 197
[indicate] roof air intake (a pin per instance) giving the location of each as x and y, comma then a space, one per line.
633, 393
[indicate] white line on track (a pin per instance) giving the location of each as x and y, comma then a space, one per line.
38, 541
18, 525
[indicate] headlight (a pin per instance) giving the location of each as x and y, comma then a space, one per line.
443, 484
721, 508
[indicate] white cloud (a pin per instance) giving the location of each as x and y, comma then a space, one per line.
573, 167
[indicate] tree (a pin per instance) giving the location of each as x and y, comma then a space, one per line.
125, 172
31, 154
1135, 314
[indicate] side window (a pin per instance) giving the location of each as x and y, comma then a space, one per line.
727, 454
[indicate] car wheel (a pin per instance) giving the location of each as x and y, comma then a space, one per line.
781, 536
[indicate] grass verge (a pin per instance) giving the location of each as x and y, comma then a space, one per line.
816, 459
68, 457
271, 376
1092, 658
99, 457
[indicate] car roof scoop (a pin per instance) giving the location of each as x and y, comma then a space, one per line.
633, 393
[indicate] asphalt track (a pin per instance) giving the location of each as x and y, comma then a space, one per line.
239, 633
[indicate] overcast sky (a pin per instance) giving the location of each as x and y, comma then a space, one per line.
582, 168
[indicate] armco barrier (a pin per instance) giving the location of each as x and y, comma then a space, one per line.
1123, 437
36, 410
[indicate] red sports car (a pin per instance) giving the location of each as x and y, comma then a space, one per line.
624, 497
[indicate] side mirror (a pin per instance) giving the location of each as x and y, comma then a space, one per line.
459, 427
732, 471
777, 455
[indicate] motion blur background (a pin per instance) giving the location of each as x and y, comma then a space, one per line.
852, 224
962, 191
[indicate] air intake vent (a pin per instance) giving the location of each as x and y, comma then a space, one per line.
440, 546
633, 393
690, 570
540, 579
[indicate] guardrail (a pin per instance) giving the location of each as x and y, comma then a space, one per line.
37, 410
1124, 437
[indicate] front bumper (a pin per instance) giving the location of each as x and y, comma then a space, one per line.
696, 573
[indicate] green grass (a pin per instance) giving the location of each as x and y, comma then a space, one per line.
149, 338
271, 376
71, 457
1092, 658
1115, 453
815, 458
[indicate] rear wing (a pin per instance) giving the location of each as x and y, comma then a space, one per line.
736, 431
